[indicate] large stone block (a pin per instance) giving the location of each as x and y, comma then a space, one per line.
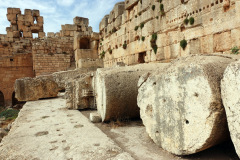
81, 21
79, 92
116, 90
230, 89
222, 41
181, 105
31, 89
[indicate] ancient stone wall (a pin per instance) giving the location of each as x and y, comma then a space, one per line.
146, 31
52, 54
24, 55
85, 45
12, 68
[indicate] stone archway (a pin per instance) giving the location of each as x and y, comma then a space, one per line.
2, 103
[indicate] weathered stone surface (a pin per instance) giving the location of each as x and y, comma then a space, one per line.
95, 117
116, 90
30, 89
80, 93
230, 89
2, 134
181, 105
45, 129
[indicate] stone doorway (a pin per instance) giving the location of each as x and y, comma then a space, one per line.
141, 57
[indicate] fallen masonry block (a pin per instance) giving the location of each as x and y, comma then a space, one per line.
181, 105
116, 90
79, 92
230, 89
95, 117
31, 89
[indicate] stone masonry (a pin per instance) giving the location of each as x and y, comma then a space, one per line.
146, 31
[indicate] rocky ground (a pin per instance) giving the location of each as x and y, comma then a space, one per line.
45, 129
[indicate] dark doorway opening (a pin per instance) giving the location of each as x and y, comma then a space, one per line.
1, 100
84, 43
141, 57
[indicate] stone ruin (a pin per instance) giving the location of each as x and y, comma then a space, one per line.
184, 91
22, 55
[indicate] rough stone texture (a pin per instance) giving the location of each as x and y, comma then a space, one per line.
230, 89
80, 92
215, 29
30, 89
181, 105
95, 117
2, 134
47, 130
116, 90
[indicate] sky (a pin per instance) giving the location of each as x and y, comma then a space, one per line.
58, 12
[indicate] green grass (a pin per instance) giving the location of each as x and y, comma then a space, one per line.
9, 114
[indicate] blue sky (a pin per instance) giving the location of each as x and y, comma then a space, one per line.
58, 12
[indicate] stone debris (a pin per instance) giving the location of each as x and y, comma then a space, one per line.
30, 89
95, 117
181, 105
116, 91
230, 89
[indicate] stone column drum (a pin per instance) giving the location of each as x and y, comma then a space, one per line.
181, 106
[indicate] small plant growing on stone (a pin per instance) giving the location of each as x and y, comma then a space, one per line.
153, 7
102, 55
136, 28
161, 7
235, 50
143, 38
155, 47
141, 25
183, 44
125, 46
191, 20
135, 16
153, 43
162, 12
186, 21
157, 17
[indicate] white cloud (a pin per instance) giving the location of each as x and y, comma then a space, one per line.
63, 13
65, 2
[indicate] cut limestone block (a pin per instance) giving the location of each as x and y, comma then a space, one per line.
31, 89
95, 117
79, 92
230, 88
181, 105
116, 90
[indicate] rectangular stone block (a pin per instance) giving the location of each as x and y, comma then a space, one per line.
222, 41
27, 12
86, 53
81, 21
27, 34
130, 3
35, 13
40, 19
41, 34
